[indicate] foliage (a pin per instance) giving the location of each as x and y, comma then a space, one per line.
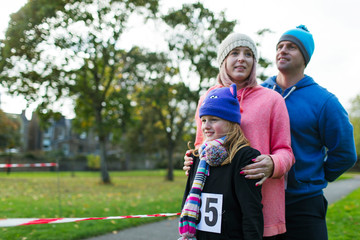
194, 36
76, 54
9, 132
23, 35
93, 161
36, 195
168, 114
355, 120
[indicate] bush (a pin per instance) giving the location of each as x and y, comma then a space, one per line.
93, 162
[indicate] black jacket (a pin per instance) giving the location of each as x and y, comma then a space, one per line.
241, 215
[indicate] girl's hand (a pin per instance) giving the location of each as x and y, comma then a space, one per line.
262, 169
188, 162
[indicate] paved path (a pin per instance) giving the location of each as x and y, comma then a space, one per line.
339, 189
168, 229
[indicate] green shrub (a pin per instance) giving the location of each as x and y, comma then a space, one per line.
93, 161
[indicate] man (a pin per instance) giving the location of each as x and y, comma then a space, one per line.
321, 136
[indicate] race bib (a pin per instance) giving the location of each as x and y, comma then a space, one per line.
210, 212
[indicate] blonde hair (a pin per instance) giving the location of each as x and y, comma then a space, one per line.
234, 141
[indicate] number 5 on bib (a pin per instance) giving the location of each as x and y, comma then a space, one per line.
211, 212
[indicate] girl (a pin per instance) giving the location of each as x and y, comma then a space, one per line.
230, 204
265, 123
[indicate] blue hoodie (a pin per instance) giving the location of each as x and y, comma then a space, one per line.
322, 138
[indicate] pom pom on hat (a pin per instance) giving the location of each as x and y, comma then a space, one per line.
232, 41
222, 103
303, 39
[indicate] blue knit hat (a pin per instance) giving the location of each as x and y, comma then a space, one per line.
222, 103
303, 39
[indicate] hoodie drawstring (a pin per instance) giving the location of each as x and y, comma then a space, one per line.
291, 90
240, 99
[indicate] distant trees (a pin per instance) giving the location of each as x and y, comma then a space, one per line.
143, 100
73, 51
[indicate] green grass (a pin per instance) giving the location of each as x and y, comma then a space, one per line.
347, 175
343, 217
36, 195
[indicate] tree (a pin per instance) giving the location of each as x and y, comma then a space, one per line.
194, 37
168, 113
72, 48
9, 132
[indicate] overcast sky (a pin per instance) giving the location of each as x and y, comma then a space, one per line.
335, 25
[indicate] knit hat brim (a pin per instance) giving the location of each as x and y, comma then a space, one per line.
222, 103
232, 41
303, 39
298, 43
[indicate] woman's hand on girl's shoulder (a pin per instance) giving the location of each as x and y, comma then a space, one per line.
188, 161
262, 169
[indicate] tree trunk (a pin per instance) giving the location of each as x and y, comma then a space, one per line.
103, 166
170, 175
102, 141
127, 161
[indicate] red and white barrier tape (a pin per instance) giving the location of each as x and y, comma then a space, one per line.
13, 222
28, 165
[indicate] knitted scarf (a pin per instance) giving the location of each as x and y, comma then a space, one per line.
211, 153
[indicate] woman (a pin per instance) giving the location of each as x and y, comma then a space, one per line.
265, 123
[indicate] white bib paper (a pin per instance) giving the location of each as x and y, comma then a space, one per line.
211, 212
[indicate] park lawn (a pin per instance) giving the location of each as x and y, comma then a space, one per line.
343, 218
36, 195
81, 195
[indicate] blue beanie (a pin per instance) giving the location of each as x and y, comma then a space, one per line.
303, 39
222, 103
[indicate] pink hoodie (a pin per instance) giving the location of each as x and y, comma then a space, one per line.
265, 123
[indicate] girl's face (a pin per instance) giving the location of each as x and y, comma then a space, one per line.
239, 64
213, 127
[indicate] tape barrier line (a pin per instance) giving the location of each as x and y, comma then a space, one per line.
28, 165
13, 222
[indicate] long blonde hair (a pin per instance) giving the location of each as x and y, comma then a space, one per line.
234, 141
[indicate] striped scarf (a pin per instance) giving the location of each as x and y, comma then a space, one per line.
190, 213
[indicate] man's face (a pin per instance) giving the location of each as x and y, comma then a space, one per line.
289, 57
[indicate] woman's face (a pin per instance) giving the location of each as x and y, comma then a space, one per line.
239, 64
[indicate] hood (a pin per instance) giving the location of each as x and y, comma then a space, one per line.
241, 93
304, 82
244, 92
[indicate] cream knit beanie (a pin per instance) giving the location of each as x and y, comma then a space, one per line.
232, 41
